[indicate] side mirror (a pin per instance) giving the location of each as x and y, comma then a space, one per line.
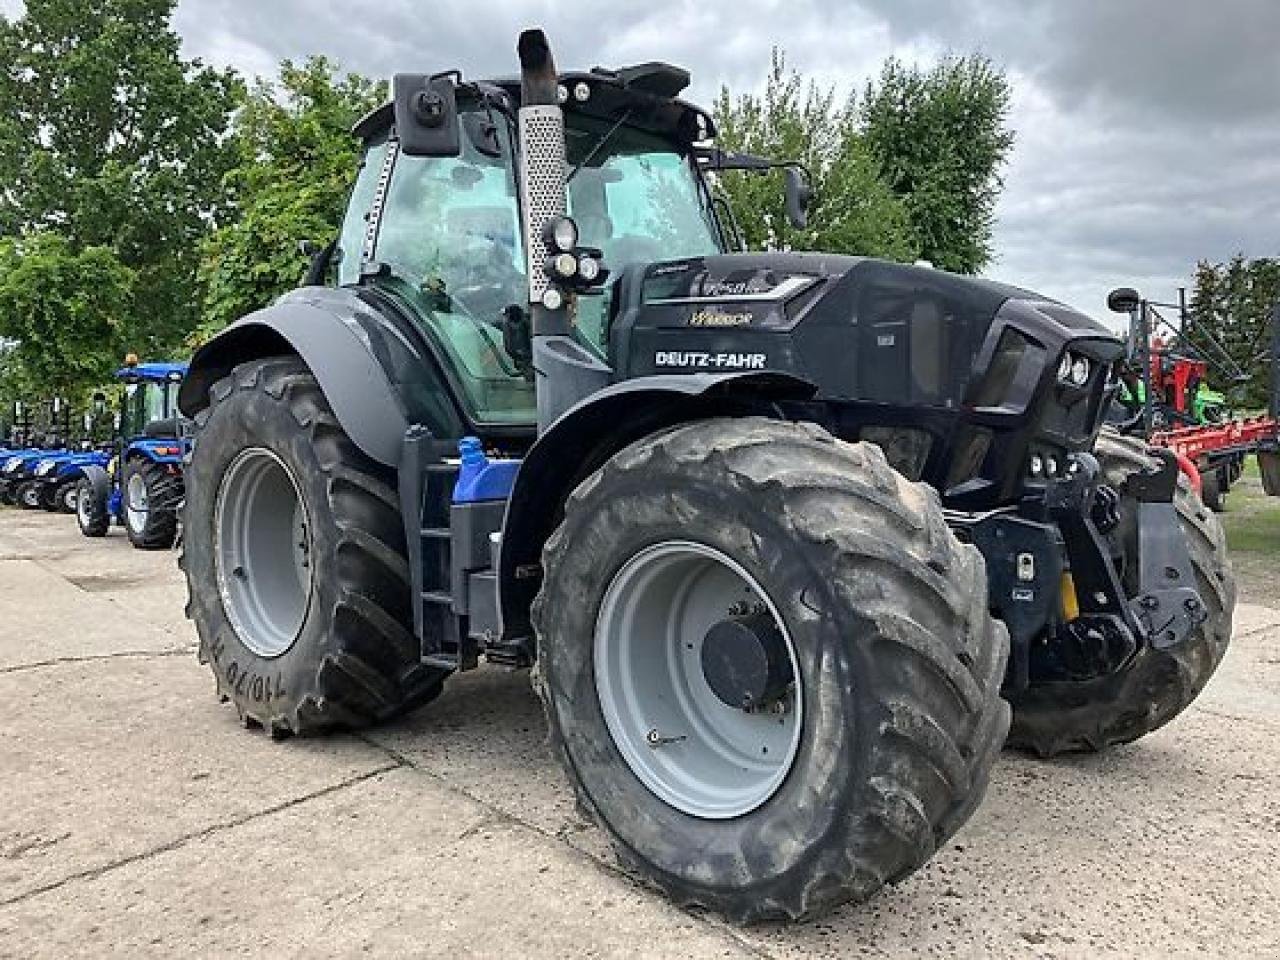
799, 195
1123, 300
426, 115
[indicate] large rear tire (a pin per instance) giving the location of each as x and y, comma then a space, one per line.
1154, 686
294, 554
151, 493
897, 666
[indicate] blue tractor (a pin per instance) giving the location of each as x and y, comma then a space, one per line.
18, 485
56, 478
141, 487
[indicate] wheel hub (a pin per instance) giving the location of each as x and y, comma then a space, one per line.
745, 661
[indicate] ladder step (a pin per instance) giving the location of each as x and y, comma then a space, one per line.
437, 596
441, 661
437, 533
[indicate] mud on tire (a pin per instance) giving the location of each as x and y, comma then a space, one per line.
900, 662
355, 659
1050, 718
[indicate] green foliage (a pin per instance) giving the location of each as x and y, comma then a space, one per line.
113, 142
69, 312
1232, 303
853, 209
296, 162
940, 139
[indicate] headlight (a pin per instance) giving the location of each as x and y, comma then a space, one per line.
1064, 368
561, 234
1074, 369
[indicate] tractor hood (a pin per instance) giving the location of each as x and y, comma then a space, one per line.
977, 376
858, 328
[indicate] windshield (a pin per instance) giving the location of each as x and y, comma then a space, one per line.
450, 237
145, 403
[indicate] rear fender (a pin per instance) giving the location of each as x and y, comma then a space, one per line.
376, 379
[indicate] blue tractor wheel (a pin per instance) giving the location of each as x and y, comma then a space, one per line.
91, 509
151, 493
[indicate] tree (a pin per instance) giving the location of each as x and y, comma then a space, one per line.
296, 162
112, 156
1232, 304
853, 211
940, 139
69, 313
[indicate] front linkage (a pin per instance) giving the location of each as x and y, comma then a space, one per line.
1077, 604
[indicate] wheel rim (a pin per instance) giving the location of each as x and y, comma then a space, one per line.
136, 504
71, 499
31, 497
262, 550
685, 744
82, 508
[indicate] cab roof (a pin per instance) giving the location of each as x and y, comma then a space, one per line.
155, 372
644, 93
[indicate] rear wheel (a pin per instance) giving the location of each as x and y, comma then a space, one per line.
1154, 686
768, 666
150, 493
91, 509
295, 560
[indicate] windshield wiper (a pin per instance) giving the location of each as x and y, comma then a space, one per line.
599, 144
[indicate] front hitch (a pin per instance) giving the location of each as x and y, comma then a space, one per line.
1168, 606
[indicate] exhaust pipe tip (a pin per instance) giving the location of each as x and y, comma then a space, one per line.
538, 76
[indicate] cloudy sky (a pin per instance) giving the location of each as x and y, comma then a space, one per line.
1148, 130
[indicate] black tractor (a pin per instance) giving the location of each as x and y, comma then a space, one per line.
783, 536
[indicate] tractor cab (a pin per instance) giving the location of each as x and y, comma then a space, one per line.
441, 235
150, 407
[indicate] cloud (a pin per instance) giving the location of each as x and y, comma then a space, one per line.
1147, 129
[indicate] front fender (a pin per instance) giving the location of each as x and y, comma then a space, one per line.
586, 435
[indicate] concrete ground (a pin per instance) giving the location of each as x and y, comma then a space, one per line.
137, 818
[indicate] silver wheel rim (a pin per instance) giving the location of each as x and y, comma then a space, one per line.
262, 551
71, 499
136, 503
82, 508
31, 497
687, 746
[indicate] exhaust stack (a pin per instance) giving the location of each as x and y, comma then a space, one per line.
565, 372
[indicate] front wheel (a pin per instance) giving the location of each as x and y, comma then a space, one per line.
91, 509
64, 496
29, 495
150, 492
294, 552
768, 666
